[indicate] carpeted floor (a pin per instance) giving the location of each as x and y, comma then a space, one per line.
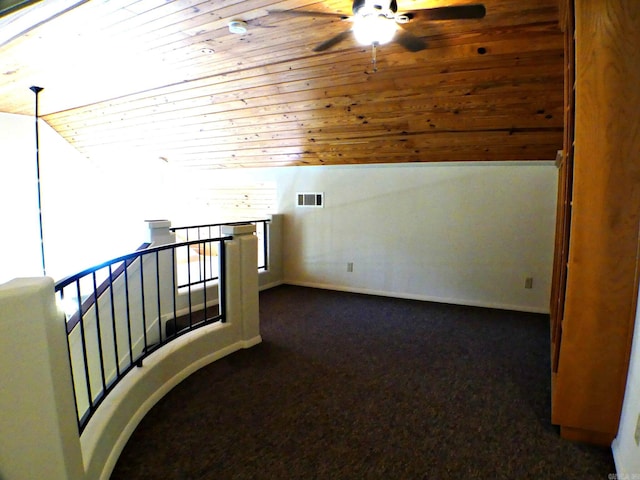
348, 386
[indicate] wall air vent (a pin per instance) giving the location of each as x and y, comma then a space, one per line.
310, 200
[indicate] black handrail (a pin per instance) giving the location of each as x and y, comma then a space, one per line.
222, 224
96, 349
100, 289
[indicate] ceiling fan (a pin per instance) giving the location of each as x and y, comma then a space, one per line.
376, 22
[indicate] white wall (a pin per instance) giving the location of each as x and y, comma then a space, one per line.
92, 210
19, 241
38, 422
626, 451
461, 233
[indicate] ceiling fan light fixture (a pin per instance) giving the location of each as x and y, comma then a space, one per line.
374, 29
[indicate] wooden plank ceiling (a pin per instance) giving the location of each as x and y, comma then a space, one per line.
166, 79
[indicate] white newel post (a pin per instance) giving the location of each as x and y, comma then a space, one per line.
38, 425
242, 281
158, 232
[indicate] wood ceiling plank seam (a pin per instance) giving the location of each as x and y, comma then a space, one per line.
381, 146
201, 17
322, 133
359, 72
285, 136
434, 54
209, 29
389, 140
230, 82
304, 30
172, 16
440, 155
233, 81
320, 111
238, 120
305, 120
225, 103
290, 140
433, 156
201, 31
462, 158
416, 139
506, 84
268, 50
301, 26
258, 131
527, 75
141, 6
142, 93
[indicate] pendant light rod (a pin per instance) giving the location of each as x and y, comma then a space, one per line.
37, 90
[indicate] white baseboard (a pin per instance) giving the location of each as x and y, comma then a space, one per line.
267, 286
425, 298
252, 342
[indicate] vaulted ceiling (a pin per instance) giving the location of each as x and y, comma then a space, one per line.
166, 79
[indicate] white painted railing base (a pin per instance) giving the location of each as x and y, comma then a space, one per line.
38, 429
113, 423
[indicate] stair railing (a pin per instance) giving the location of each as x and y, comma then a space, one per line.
123, 310
195, 263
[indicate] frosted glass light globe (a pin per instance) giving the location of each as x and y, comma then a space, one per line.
372, 29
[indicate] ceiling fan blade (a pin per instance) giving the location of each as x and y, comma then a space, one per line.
457, 12
332, 41
409, 40
307, 13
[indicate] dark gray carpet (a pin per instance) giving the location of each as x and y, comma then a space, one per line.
348, 386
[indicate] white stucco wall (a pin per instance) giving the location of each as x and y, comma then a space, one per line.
38, 423
19, 241
460, 233
92, 210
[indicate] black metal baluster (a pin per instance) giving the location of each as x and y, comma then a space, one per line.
266, 228
83, 342
73, 375
144, 313
189, 285
113, 325
128, 310
210, 256
222, 282
204, 284
188, 259
158, 294
201, 255
174, 290
99, 334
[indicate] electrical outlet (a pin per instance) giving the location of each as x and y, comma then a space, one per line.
528, 282
350, 267
637, 434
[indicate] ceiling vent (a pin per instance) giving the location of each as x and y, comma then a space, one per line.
310, 199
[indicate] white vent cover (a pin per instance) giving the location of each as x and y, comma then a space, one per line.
310, 199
